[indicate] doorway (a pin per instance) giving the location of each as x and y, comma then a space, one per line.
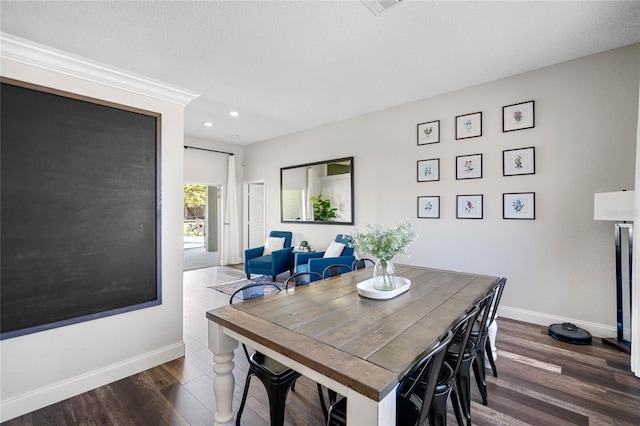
254, 209
201, 226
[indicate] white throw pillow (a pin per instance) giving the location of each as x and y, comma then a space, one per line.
334, 250
273, 244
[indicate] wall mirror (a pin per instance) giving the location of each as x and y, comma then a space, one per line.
320, 192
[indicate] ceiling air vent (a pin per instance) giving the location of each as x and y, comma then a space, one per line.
378, 6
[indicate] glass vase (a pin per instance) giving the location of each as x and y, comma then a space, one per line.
384, 275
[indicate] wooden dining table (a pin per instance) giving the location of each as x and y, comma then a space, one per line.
356, 346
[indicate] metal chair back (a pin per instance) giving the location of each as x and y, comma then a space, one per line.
300, 278
362, 263
335, 270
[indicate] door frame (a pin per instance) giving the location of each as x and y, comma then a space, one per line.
219, 223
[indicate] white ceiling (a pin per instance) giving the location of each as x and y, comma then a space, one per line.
291, 65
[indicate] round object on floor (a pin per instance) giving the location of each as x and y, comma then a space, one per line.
570, 333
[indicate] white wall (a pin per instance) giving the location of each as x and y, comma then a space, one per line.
560, 265
42, 368
209, 167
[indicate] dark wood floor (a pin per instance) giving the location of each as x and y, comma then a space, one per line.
542, 381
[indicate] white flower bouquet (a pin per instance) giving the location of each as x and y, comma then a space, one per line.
384, 245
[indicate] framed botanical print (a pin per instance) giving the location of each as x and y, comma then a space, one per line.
469, 166
519, 205
469, 206
429, 207
429, 170
429, 132
469, 125
520, 161
518, 116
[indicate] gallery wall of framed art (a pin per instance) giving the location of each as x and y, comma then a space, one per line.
468, 131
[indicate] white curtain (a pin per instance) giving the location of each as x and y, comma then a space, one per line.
635, 292
309, 193
230, 253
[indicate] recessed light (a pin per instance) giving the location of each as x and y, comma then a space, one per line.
234, 113
208, 123
235, 136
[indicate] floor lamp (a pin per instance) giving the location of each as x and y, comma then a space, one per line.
619, 207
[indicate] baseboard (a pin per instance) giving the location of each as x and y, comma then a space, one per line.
596, 330
60, 391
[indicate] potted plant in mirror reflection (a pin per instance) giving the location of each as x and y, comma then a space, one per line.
322, 209
304, 246
384, 245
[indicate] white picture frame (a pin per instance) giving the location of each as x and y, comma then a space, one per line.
429, 207
469, 125
521, 161
429, 132
469, 206
429, 170
469, 166
518, 116
519, 205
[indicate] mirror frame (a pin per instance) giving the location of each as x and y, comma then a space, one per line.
317, 163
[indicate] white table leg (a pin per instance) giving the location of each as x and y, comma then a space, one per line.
493, 331
364, 411
222, 347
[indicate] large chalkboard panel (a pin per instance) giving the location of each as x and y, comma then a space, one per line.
80, 209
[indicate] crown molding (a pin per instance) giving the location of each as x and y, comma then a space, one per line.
27, 52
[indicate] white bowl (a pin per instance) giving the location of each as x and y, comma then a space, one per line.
365, 289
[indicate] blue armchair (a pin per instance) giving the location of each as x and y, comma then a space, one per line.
255, 262
316, 262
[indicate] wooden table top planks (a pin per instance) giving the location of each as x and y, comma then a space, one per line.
364, 344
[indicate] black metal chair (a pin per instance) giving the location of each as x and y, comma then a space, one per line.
447, 387
335, 270
332, 398
276, 378
415, 391
494, 313
362, 263
301, 278
462, 353
480, 338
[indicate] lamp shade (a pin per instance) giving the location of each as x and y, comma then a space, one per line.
617, 206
